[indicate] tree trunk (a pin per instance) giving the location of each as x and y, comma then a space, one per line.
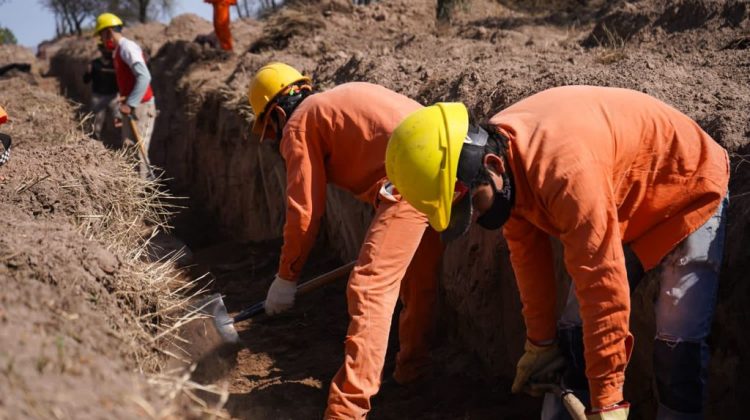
143, 10
78, 20
68, 22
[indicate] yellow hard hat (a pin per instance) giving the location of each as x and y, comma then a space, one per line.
268, 82
421, 159
106, 20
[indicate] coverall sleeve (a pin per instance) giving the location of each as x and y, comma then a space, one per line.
586, 214
142, 79
531, 257
305, 203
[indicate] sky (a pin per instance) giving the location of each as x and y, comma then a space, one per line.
31, 23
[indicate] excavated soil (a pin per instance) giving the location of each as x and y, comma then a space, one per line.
692, 54
80, 309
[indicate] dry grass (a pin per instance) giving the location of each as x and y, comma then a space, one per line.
613, 47
111, 205
156, 294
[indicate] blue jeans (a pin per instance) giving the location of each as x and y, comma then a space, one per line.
684, 308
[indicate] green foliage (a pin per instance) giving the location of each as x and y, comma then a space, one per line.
7, 36
72, 16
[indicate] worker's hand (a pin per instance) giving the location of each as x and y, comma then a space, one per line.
280, 296
535, 360
118, 122
614, 412
125, 109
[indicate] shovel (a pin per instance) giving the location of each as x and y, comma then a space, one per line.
141, 147
214, 306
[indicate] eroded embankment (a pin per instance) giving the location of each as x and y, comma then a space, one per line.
493, 56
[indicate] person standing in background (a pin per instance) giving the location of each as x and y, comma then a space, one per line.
101, 75
134, 84
222, 21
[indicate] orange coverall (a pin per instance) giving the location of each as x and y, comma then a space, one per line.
339, 137
597, 178
221, 22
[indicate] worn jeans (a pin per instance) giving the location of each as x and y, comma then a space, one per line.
684, 308
104, 107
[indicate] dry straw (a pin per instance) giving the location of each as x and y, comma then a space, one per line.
156, 294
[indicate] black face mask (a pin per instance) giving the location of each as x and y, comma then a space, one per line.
502, 202
472, 172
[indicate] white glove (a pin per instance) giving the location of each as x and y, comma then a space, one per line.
280, 296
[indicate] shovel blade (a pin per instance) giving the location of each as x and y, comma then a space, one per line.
209, 344
213, 306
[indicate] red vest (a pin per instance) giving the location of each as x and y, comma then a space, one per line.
126, 78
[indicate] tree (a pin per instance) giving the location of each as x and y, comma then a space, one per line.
70, 14
248, 8
6, 35
140, 10
243, 8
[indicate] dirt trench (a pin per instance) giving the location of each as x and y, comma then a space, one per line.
494, 54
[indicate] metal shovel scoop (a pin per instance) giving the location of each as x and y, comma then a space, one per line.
213, 305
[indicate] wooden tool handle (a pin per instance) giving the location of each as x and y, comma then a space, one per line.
302, 289
138, 139
324, 279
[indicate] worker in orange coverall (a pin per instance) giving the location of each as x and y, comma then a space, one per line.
339, 137
626, 183
222, 21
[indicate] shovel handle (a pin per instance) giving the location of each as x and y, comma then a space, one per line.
137, 134
324, 279
139, 143
302, 289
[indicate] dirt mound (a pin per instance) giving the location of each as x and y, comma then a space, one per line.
284, 25
625, 21
82, 316
15, 54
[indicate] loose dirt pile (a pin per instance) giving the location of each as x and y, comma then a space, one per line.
689, 53
83, 318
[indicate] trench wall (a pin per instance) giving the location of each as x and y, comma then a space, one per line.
236, 185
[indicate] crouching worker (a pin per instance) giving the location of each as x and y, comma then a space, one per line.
339, 137
601, 169
133, 81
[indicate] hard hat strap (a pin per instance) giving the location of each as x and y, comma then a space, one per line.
470, 163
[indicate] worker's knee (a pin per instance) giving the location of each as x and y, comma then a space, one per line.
680, 368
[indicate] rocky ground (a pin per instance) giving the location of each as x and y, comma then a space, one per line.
693, 54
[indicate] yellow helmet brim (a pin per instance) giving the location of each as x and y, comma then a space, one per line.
422, 159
